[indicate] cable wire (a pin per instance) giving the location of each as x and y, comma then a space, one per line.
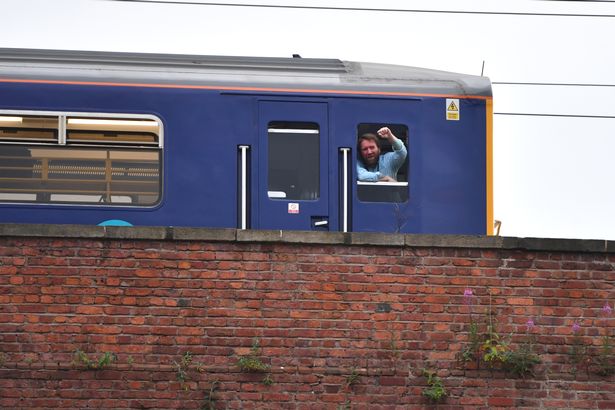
275, 6
582, 1
527, 114
552, 84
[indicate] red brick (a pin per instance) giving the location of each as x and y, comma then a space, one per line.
520, 301
477, 401
89, 310
501, 401
16, 280
392, 381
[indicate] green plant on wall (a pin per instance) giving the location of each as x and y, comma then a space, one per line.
251, 362
106, 359
435, 390
181, 369
495, 351
210, 402
578, 351
521, 361
345, 406
393, 345
491, 349
471, 350
184, 366
353, 378
268, 380
604, 360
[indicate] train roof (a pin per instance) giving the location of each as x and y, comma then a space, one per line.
294, 74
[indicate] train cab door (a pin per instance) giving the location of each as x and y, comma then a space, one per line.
386, 206
293, 166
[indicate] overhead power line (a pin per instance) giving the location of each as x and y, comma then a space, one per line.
552, 84
276, 6
581, 1
527, 114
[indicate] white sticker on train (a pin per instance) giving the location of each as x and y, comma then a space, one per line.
452, 109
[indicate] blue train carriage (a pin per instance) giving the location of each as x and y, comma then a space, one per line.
245, 142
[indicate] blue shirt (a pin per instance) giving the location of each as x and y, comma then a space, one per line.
388, 164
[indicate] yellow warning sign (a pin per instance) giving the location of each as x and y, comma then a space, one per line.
452, 109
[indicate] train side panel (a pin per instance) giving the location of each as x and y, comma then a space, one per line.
199, 175
446, 165
445, 177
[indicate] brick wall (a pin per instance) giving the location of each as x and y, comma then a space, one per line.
162, 316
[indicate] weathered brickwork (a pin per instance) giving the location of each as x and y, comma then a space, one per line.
339, 325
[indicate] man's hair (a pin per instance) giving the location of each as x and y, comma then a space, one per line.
368, 137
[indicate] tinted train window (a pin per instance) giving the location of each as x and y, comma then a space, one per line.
382, 170
294, 161
80, 158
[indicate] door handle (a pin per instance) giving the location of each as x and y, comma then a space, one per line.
320, 223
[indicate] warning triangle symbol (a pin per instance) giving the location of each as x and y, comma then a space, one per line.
452, 107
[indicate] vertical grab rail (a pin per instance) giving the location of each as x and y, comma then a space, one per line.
62, 131
243, 201
345, 175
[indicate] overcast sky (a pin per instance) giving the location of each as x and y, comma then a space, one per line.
553, 176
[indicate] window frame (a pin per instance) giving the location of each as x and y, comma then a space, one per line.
361, 185
301, 128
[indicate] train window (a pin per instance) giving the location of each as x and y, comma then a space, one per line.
294, 161
32, 128
111, 131
72, 158
382, 163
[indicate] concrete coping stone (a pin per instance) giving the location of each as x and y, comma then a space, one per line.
307, 237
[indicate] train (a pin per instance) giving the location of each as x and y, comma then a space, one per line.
141, 139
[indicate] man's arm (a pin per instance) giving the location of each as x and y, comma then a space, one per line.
396, 158
399, 153
369, 176
365, 175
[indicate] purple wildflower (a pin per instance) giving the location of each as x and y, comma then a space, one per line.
606, 309
575, 327
467, 296
529, 325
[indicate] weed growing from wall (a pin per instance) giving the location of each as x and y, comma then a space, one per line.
353, 378
210, 402
251, 362
345, 406
181, 369
521, 361
486, 345
470, 351
105, 360
578, 350
268, 380
495, 350
604, 360
435, 390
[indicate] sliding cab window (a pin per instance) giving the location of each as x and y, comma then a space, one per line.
382, 166
293, 161
80, 158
